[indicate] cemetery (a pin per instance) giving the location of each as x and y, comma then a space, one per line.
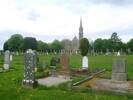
43, 58
109, 74
65, 70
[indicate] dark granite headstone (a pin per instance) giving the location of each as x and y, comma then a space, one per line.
119, 70
29, 69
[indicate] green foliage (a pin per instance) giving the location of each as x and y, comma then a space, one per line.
84, 46
41, 46
42, 74
116, 42
98, 45
30, 43
130, 45
14, 42
5, 47
54, 61
56, 46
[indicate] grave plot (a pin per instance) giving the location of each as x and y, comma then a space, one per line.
56, 78
117, 84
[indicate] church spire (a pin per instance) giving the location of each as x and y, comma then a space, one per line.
81, 22
80, 30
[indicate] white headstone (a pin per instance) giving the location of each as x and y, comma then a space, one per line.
118, 54
10, 57
7, 60
85, 62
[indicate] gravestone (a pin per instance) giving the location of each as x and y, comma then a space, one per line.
119, 70
64, 64
17, 53
118, 53
7, 60
11, 57
29, 69
36, 58
46, 53
85, 62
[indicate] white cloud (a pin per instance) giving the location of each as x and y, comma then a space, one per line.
56, 18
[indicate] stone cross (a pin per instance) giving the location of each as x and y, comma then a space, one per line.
7, 60
64, 64
29, 68
119, 70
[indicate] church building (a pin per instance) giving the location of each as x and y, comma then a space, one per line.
73, 46
75, 40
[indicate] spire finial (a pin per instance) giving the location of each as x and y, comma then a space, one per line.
80, 29
80, 21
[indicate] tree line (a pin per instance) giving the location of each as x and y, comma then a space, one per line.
114, 44
17, 43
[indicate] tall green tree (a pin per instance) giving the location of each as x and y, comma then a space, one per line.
56, 45
98, 45
14, 42
5, 47
84, 46
30, 43
42, 46
116, 42
130, 45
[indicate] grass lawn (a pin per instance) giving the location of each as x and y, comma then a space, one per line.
11, 88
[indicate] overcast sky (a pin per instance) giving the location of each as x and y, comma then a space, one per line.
57, 19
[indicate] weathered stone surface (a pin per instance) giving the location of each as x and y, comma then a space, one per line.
53, 81
119, 70
7, 60
64, 64
85, 62
119, 65
109, 85
119, 76
29, 68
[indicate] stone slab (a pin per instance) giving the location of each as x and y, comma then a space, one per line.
53, 81
119, 76
119, 66
109, 85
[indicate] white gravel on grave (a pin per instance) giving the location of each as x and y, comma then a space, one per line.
53, 81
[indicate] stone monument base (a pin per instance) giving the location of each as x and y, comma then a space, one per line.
6, 66
53, 81
119, 76
29, 84
109, 85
